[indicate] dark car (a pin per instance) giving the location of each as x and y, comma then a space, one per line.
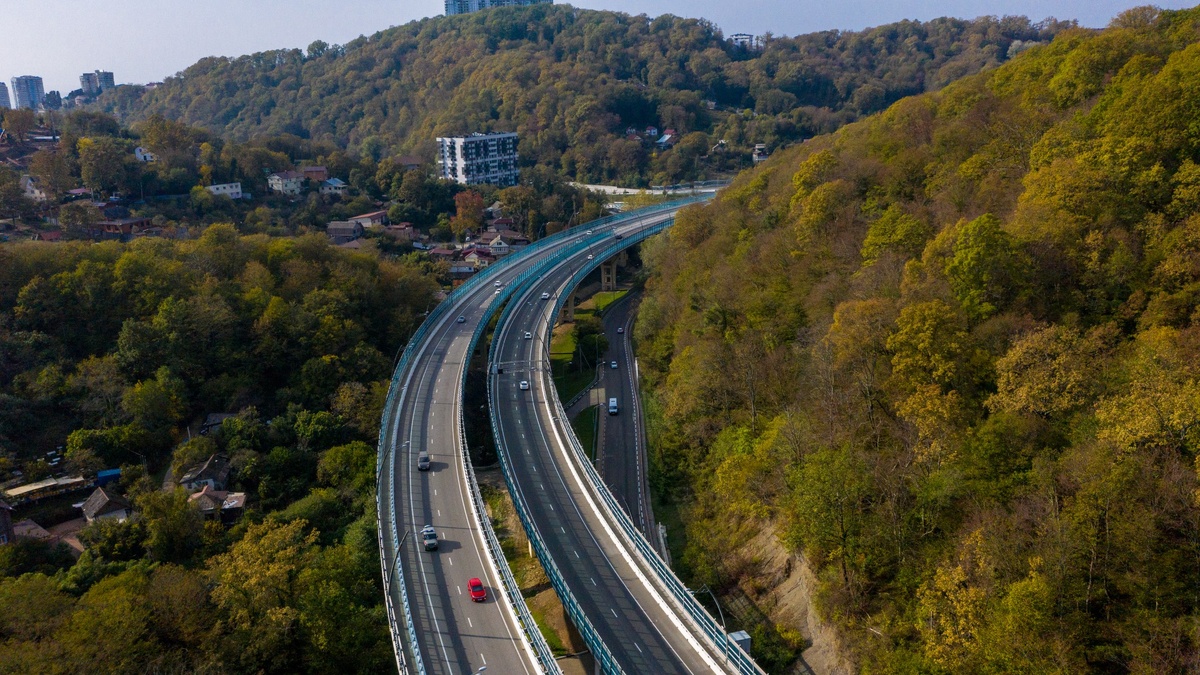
423, 461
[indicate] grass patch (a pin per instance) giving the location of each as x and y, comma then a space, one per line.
568, 379
584, 425
552, 640
604, 299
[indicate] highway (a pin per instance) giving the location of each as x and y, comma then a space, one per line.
455, 635
621, 444
633, 616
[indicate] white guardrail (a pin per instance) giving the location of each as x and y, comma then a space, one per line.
404, 634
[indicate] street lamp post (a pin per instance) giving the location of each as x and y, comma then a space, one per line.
721, 614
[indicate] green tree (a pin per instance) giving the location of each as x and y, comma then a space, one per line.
830, 495
104, 163
173, 526
19, 122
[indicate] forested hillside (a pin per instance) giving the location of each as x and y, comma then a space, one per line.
573, 82
951, 354
112, 350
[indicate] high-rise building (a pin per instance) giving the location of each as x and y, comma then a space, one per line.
467, 6
4, 102
89, 83
479, 158
97, 82
28, 91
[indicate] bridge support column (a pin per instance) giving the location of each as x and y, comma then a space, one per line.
608, 275
567, 313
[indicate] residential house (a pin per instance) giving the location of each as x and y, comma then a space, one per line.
651, 132
120, 229
6, 525
316, 174
665, 142
401, 232
144, 155
47, 236
760, 153
220, 504
478, 258
443, 253
499, 247
371, 219
286, 182
408, 162
231, 190
213, 472
334, 186
30, 186
344, 231
460, 273
106, 505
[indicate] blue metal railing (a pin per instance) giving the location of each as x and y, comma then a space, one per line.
408, 652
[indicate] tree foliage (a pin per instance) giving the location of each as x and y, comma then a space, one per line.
989, 431
572, 82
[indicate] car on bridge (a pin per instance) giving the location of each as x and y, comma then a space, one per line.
422, 461
620, 329
524, 385
613, 365
461, 319
528, 335
476, 589
429, 537
545, 296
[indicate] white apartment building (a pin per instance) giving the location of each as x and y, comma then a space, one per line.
231, 190
467, 6
287, 182
479, 158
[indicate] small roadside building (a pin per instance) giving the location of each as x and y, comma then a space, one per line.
219, 504
106, 505
212, 472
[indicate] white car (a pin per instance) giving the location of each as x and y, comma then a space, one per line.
590, 256
497, 283
620, 329
545, 296
461, 319
588, 232
528, 335
525, 384
613, 365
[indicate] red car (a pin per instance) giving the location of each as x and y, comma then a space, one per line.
478, 592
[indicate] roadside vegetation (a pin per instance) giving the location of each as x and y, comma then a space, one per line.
949, 355
112, 350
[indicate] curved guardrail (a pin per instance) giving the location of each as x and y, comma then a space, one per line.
408, 651
695, 610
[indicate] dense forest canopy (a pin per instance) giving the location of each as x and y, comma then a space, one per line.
573, 82
111, 350
950, 353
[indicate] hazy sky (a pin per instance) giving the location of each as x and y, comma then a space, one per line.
148, 40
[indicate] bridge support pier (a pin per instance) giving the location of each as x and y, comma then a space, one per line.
608, 275
567, 313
